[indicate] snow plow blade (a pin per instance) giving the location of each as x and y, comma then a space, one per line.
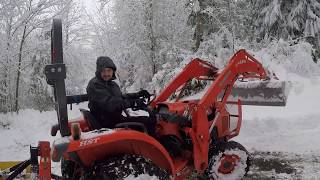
261, 93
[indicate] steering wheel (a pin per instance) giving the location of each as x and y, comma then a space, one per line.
146, 108
146, 101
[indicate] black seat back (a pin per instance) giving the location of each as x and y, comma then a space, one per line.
132, 125
92, 121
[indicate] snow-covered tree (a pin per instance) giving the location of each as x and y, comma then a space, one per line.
38, 93
227, 18
304, 21
138, 34
25, 49
74, 36
277, 19
20, 19
152, 38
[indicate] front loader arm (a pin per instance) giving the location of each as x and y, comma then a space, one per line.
241, 64
195, 69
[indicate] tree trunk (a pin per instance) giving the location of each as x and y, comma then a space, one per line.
231, 20
200, 22
19, 69
198, 33
7, 99
151, 35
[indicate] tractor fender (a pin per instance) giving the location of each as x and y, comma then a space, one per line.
100, 144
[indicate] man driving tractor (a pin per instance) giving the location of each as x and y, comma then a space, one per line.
106, 101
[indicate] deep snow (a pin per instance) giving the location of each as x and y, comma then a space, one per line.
293, 128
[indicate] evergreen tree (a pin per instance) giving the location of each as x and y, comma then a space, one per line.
277, 19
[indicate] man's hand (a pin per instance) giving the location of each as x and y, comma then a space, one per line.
144, 93
137, 104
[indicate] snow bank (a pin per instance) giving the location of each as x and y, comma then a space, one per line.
293, 128
25, 129
19, 131
284, 58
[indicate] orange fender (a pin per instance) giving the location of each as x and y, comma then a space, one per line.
99, 145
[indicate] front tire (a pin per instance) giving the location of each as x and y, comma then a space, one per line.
229, 160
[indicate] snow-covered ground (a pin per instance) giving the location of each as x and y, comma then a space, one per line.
291, 131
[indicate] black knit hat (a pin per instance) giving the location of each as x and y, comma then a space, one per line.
105, 62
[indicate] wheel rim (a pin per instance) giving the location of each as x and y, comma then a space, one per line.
228, 163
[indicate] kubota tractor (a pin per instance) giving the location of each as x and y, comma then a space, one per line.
192, 135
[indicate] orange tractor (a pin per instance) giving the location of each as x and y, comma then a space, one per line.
191, 135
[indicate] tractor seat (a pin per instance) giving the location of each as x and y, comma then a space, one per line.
133, 125
92, 121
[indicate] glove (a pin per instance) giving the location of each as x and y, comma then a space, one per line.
136, 104
144, 93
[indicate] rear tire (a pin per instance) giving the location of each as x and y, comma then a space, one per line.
68, 169
229, 160
122, 166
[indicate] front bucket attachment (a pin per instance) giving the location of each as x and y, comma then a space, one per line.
261, 93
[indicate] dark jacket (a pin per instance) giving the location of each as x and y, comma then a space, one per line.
106, 101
